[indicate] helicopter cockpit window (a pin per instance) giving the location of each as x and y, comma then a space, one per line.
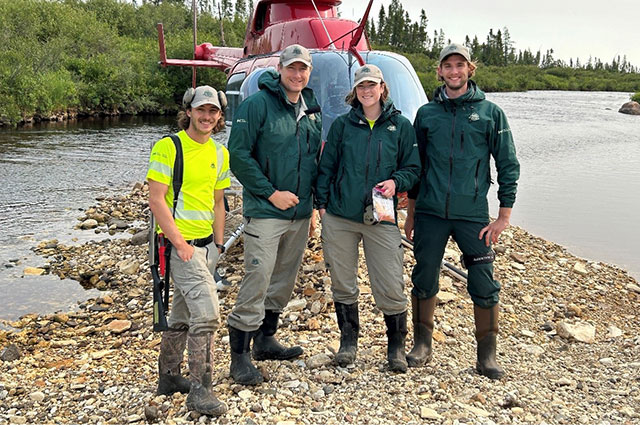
260, 18
331, 80
234, 96
404, 86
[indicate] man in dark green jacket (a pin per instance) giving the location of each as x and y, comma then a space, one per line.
458, 132
273, 148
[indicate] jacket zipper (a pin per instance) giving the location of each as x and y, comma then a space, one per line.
462, 141
453, 136
295, 209
475, 196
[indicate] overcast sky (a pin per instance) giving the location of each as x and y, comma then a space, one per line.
573, 28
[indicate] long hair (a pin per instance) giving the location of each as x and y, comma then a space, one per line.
184, 121
352, 98
472, 70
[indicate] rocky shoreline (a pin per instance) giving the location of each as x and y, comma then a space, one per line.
569, 341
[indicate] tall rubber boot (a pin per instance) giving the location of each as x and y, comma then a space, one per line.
349, 323
422, 314
242, 370
201, 398
486, 336
396, 335
266, 347
172, 348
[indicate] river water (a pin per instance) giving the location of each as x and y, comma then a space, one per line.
579, 184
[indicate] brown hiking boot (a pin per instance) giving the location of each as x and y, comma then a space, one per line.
486, 337
422, 314
172, 348
201, 398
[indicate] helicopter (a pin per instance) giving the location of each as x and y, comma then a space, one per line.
338, 47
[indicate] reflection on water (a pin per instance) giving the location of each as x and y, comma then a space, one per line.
580, 172
52, 171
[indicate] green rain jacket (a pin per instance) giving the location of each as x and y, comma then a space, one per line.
356, 158
270, 149
456, 138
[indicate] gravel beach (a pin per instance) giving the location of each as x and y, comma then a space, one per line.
569, 342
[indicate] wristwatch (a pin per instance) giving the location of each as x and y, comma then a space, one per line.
221, 247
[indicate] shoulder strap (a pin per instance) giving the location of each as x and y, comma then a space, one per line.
178, 169
219, 156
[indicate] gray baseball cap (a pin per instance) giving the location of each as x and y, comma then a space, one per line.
295, 53
455, 48
368, 72
200, 96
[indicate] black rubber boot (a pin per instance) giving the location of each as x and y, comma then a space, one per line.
201, 398
266, 347
242, 370
396, 334
486, 336
172, 348
349, 324
422, 314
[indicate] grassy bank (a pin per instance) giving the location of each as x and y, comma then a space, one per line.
74, 57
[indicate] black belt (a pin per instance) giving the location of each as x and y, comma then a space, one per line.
201, 242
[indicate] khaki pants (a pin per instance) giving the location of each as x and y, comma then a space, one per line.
273, 250
383, 254
195, 298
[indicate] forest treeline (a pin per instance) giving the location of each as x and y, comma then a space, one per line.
101, 56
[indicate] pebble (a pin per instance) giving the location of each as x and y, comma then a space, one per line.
10, 353
245, 394
106, 377
296, 304
580, 268
119, 326
37, 396
318, 361
613, 332
89, 224
34, 271
429, 414
581, 331
151, 413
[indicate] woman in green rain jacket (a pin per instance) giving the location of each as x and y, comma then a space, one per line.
371, 146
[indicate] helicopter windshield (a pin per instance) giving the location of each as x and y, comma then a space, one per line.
332, 79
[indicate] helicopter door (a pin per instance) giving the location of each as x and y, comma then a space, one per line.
234, 96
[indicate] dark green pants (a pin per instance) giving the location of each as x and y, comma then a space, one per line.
430, 237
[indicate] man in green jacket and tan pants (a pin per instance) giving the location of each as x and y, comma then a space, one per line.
273, 147
458, 132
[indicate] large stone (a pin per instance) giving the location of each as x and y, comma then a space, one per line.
429, 414
296, 304
581, 331
33, 271
10, 353
140, 238
37, 396
129, 266
613, 332
318, 360
580, 269
445, 297
88, 224
119, 326
630, 107
119, 224
634, 288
